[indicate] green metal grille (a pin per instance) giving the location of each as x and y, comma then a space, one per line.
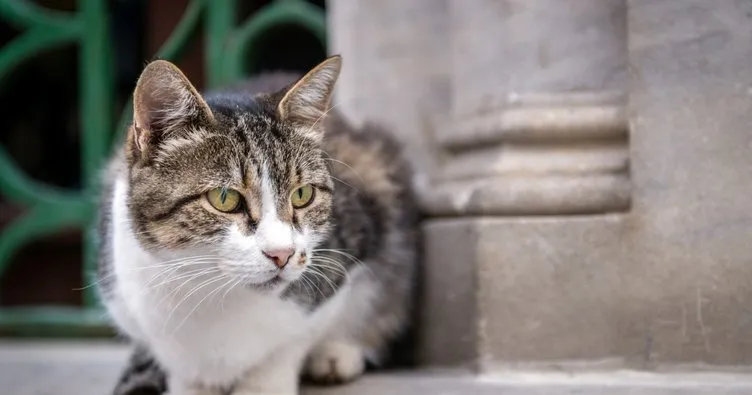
231, 49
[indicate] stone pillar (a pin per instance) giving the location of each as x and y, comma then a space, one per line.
538, 138
539, 123
395, 68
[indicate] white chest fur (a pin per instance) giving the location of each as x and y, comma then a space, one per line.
195, 328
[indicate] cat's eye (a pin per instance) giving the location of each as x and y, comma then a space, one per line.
223, 199
302, 196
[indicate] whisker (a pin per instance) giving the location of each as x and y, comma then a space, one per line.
310, 281
181, 276
230, 288
189, 294
344, 164
322, 275
330, 259
174, 267
306, 283
202, 301
333, 265
321, 266
187, 280
181, 262
341, 252
349, 256
345, 182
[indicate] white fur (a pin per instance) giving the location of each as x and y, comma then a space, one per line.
336, 361
206, 334
272, 233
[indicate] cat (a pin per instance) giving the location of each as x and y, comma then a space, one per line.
250, 236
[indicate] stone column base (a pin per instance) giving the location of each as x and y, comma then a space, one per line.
559, 292
521, 289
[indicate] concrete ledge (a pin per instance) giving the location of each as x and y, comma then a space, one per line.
536, 383
91, 368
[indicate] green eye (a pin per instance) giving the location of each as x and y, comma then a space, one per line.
223, 199
302, 196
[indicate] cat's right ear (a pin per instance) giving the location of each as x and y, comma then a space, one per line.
164, 103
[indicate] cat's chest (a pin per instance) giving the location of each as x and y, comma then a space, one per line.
229, 332
210, 312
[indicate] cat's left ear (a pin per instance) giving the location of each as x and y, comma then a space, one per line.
307, 101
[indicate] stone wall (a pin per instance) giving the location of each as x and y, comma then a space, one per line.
586, 166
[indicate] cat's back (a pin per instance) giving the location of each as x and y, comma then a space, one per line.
368, 161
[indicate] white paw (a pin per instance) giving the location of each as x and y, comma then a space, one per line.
335, 362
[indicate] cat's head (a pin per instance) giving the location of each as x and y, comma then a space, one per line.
239, 183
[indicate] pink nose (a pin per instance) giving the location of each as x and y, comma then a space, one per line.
279, 256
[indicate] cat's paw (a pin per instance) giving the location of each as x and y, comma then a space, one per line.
335, 363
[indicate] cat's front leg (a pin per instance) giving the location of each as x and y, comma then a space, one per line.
335, 362
279, 375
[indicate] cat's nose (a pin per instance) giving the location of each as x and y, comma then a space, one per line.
279, 256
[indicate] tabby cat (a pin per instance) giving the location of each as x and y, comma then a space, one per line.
250, 235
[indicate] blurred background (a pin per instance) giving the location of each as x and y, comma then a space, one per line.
57, 74
584, 167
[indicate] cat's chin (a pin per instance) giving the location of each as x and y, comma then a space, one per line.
270, 284
277, 283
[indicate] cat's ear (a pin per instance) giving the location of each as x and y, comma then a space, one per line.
307, 101
163, 103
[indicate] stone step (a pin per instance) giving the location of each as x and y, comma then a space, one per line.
537, 383
53, 368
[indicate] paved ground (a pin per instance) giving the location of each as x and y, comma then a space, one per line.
91, 368
59, 369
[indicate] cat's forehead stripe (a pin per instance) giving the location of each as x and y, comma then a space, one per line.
271, 156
